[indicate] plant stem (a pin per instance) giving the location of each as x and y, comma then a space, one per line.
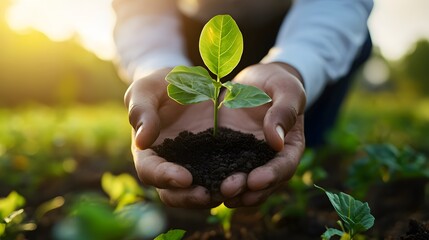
216, 107
216, 102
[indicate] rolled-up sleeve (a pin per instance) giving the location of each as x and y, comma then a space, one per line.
321, 38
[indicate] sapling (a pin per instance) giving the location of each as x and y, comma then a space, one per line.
355, 216
221, 47
222, 215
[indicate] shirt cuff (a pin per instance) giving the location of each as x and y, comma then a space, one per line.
309, 64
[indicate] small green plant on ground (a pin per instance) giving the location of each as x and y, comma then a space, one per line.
122, 189
221, 47
385, 163
355, 216
12, 217
222, 215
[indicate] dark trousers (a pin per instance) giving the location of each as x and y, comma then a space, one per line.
321, 116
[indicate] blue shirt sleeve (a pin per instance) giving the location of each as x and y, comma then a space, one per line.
321, 38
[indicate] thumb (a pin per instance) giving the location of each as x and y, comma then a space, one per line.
145, 122
143, 116
278, 121
143, 99
288, 103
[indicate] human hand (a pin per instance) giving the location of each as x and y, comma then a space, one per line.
155, 117
280, 123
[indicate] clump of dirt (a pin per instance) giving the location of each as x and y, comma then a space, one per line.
417, 231
211, 159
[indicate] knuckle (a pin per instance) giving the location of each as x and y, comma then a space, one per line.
291, 114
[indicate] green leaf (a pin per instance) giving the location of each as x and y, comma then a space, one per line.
221, 45
330, 232
122, 189
2, 229
174, 234
99, 220
10, 203
224, 215
355, 214
189, 85
242, 96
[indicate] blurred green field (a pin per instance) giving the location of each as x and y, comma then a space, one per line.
399, 116
40, 143
65, 140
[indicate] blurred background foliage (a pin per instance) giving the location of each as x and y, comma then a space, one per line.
63, 123
35, 69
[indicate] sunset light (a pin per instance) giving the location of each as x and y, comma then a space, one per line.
395, 24
89, 21
176, 131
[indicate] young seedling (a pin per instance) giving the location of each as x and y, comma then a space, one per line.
355, 216
221, 47
222, 215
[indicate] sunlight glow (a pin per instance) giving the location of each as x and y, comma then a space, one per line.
90, 21
395, 25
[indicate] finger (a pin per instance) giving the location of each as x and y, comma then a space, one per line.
143, 117
288, 104
283, 166
156, 171
278, 121
233, 185
146, 122
196, 197
143, 99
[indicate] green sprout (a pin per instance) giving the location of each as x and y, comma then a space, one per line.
222, 215
221, 47
355, 216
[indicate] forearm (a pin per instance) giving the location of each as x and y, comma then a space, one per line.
320, 39
147, 35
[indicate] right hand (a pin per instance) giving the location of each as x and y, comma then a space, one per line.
155, 117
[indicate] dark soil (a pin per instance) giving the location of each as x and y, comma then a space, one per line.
211, 159
417, 231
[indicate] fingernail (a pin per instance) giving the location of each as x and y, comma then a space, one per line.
136, 138
139, 130
280, 132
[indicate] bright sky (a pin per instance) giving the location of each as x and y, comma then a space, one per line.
395, 24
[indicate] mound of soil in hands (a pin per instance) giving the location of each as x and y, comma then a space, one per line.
211, 159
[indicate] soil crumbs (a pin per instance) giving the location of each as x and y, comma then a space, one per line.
211, 159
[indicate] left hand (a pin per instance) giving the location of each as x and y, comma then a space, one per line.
280, 123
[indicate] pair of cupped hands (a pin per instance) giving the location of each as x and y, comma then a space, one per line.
155, 117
